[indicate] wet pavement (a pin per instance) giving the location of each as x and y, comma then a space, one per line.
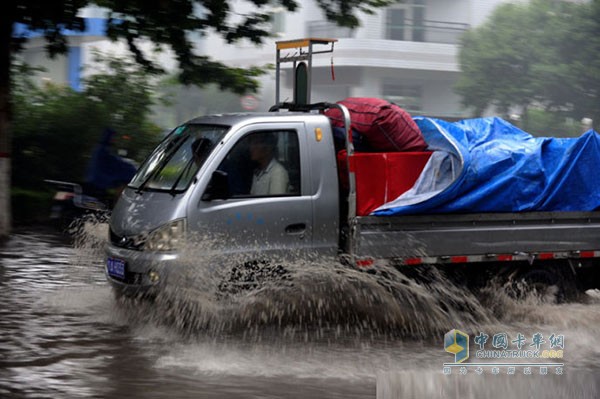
63, 334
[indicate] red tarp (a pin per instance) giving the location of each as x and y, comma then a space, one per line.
386, 126
382, 177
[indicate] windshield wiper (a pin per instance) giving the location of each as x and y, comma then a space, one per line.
187, 167
174, 147
140, 188
201, 147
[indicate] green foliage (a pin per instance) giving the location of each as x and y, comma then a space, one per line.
47, 16
343, 12
541, 55
123, 93
497, 60
543, 123
56, 128
54, 132
173, 23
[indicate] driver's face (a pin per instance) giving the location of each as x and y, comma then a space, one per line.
259, 150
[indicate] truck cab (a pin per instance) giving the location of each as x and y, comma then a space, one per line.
205, 181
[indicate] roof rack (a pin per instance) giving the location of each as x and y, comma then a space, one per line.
293, 107
301, 52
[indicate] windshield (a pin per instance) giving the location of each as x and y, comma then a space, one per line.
174, 163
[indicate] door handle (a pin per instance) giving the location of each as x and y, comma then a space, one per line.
296, 229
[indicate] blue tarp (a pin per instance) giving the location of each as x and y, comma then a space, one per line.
489, 165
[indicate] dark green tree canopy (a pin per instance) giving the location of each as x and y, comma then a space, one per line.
56, 127
172, 23
541, 54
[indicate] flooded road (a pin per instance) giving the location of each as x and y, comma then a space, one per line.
63, 334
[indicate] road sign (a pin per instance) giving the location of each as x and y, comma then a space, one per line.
249, 103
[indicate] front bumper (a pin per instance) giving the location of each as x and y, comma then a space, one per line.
145, 272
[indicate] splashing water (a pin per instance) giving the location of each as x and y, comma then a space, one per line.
310, 297
314, 296
319, 319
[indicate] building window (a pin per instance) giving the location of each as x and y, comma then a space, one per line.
418, 28
277, 20
409, 97
406, 21
396, 24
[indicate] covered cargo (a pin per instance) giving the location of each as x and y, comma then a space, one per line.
384, 126
381, 176
489, 165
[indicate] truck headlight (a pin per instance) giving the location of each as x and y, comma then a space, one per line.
167, 237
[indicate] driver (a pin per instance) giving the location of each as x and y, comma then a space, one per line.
270, 177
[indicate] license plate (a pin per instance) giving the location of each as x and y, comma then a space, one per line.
115, 268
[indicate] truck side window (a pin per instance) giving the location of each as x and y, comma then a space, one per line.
264, 163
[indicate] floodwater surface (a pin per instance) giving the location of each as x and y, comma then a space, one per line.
326, 333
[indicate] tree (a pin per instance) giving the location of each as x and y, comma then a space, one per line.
55, 131
573, 76
541, 54
162, 22
56, 128
126, 110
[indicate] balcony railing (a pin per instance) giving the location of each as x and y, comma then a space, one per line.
413, 31
426, 31
327, 29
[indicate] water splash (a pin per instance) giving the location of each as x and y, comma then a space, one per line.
313, 297
309, 297
322, 319
60, 313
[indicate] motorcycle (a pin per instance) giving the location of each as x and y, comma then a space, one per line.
72, 202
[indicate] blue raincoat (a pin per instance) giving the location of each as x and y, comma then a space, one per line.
106, 170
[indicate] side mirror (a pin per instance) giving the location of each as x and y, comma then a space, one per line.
218, 187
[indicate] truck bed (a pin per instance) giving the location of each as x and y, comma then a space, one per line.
475, 234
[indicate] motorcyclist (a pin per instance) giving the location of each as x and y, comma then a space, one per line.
107, 171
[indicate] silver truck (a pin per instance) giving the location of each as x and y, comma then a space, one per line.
197, 183
198, 186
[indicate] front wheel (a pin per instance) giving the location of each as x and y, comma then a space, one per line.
548, 282
252, 275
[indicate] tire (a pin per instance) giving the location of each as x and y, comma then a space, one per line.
552, 282
251, 276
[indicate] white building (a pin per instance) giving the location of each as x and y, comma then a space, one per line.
71, 68
406, 53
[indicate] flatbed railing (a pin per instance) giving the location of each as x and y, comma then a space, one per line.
473, 237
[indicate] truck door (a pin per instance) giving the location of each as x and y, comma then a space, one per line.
265, 208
